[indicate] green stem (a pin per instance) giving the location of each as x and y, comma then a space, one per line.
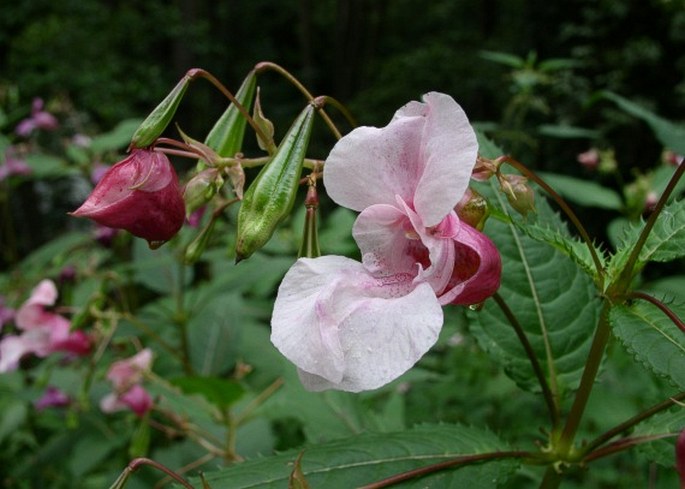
181, 318
566, 209
626, 425
268, 65
624, 279
624, 444
448, 464
551, 479
550, 399
587, 381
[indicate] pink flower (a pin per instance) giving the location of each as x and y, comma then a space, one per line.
43, 331
39, 119
53, 397
140, 194
357, 326
126, 376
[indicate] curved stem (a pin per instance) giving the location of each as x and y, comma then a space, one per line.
268, 65
455, 462
565, 208
624, 444
626, 275
341, 108
135, 464
198, 72
663, 307
618, 429
550, 399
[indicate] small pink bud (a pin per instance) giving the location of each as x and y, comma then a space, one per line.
589, 159
483, 169
140, 194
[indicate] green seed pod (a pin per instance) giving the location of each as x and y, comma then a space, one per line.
155, 123
271, 196
194, 250
226, 137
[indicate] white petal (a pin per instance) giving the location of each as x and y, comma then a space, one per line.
12, 348
370, 165
449, 151
347, 330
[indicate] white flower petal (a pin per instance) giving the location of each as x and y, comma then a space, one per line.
347, 330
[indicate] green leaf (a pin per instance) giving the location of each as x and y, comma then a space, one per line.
370, 457
564, 131
553, 299
583, 192
117, 138
159, 269
220, 392
48, 166
652, 338
670, 134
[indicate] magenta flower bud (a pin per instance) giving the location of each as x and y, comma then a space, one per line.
53, 397
140, 194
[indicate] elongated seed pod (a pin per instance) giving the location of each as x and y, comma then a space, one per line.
271, 196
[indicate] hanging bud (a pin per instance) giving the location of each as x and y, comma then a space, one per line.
201, 188
310, 235
265, 125
473, 209
155, 123
140, 194
519, 194
270, 198
226, 137
483, 169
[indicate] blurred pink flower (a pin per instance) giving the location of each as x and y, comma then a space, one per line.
13, 165
357, 326
53, 397
126, 376
43, 331
589, 159
39, 119
140, 194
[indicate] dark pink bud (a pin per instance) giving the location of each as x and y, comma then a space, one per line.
140, 194
589, 159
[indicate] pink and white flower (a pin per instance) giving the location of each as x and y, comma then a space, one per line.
40, 119
126, 377
357, 326
43, 331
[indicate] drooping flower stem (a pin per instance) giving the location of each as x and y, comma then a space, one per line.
565, 208
623, 281
550, 399
268, 65
197, 72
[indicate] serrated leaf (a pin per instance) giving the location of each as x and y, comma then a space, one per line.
370, 457
652, 338
551, 296
666, 241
